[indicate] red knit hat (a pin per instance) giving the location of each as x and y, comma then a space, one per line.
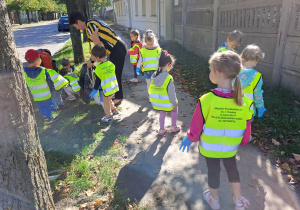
32, 55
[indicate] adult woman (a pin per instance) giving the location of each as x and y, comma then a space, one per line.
99, 32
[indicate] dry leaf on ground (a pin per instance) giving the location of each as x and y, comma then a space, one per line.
285, 166
116, 146
296, 156
275, 142
89, 193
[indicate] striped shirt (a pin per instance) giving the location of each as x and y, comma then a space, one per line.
107, 36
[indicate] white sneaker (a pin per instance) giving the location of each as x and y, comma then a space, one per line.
71, 98
241, 204
134, 80
214, 204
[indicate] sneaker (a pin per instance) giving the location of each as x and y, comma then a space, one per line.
241, 204
115, 112
214, 204
50, 120
134, 80
107, 119
175, 128
162, 132
71, 98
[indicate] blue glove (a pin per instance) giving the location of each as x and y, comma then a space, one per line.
185, 143
100, 94
261, 111
138, 70
93, 94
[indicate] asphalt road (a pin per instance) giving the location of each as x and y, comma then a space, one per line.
36, 36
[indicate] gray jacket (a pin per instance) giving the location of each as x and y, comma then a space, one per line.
159, 81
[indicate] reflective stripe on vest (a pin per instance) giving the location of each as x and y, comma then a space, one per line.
249, 91
106, 73
159, 95
74, 81
133, 58
150, 58
223, 132
58, 80
38, 86
219, 147
225, 125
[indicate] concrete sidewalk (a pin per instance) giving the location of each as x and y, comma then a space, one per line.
162, 177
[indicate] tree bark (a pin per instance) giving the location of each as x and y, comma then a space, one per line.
28, 17
75, 35
23, 171
19, 18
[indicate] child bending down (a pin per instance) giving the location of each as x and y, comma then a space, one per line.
162, 92
220, 135
106, 81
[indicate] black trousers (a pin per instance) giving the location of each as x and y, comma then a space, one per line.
214, 170
117, 57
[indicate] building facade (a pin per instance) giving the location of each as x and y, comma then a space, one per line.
143, 15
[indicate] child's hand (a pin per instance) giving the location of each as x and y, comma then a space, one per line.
185, 143
261, 111
138, 70
93, 93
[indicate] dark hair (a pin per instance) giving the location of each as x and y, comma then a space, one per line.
164, 59
99, 51
64, 71
136, 33
65, 62
74, 16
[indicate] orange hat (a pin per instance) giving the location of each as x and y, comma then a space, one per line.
32, 55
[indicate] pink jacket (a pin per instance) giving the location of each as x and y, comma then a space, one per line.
196, 126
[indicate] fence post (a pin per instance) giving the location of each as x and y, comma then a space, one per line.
215, 25
184, 4
281, 41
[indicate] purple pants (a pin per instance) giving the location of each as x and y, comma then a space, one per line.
163, 116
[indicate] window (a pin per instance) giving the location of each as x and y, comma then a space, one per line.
136, 7
153, 7
143, 7
124, 9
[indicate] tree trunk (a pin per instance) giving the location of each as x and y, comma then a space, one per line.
42, 14
84, 9
23, 171
28, 17
75, 35
19, 18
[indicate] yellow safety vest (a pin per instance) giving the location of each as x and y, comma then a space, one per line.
150, 58
134, 58
58, 80
106, 72
38, 86
159, 95
224, 125
73, 82
249, 91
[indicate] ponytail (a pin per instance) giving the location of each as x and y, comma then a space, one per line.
237, 92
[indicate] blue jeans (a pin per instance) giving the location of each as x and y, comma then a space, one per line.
46, 107
56, 97
148, 74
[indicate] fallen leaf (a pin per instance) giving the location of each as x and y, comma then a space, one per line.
285, 166
116, 141
138, 141
292, 161
115, 146
83, 206
293, 181
282, 152
296, 156
89, 193
94, 134
295, 171
275, 142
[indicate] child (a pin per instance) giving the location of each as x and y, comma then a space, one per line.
134, 51
252, 80
221, 122
39, 82
66, 64
74, 87
59, 84
149, 56
234, 40
162, 92
105, 80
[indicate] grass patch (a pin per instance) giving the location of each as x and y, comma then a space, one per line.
67, 52
281, 120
